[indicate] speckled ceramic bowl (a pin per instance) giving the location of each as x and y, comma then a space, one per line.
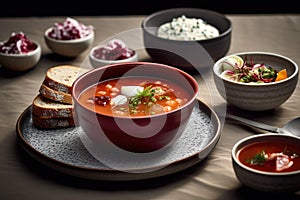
188, 55
258, 97
275, 182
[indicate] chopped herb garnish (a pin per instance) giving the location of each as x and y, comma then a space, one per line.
258, 159
135, 100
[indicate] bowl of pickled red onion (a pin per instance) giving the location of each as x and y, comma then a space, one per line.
19, 53
69, 38
115, 51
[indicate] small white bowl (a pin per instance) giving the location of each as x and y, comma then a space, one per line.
69, 48
96, 62
21, 62
275, 182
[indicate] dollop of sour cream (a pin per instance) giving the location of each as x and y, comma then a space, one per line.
184, 28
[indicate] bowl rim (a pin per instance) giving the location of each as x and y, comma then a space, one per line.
91, 56
191, 78
223, 16
217, 63
240, 142
83, 39
37, 50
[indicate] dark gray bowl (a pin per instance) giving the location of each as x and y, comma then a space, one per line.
258, 97
188, 55
275, 182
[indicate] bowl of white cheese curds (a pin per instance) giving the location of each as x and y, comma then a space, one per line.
187, 38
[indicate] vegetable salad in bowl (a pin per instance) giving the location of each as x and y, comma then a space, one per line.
248, 71
255, 81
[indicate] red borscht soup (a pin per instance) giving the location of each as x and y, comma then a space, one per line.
272, 156
134, 96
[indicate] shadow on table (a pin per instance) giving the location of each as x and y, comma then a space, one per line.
245, 193
178, 179
6, 73
50, 59
52, 175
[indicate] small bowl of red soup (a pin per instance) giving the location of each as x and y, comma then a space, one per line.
115, 51
19, 52
268, 162
69, 38
134, 106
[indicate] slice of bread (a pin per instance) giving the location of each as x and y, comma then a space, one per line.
47, 108
61, 78
53, 106
52, 123
55, 95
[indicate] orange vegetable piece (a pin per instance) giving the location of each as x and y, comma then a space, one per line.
282, 74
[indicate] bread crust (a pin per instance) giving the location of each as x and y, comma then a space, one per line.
52, 123
61, 78
53, 107
47, 108
55, 95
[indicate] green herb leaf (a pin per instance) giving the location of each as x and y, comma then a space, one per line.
137, 99
258, 159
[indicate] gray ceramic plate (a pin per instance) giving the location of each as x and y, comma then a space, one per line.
63, 150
